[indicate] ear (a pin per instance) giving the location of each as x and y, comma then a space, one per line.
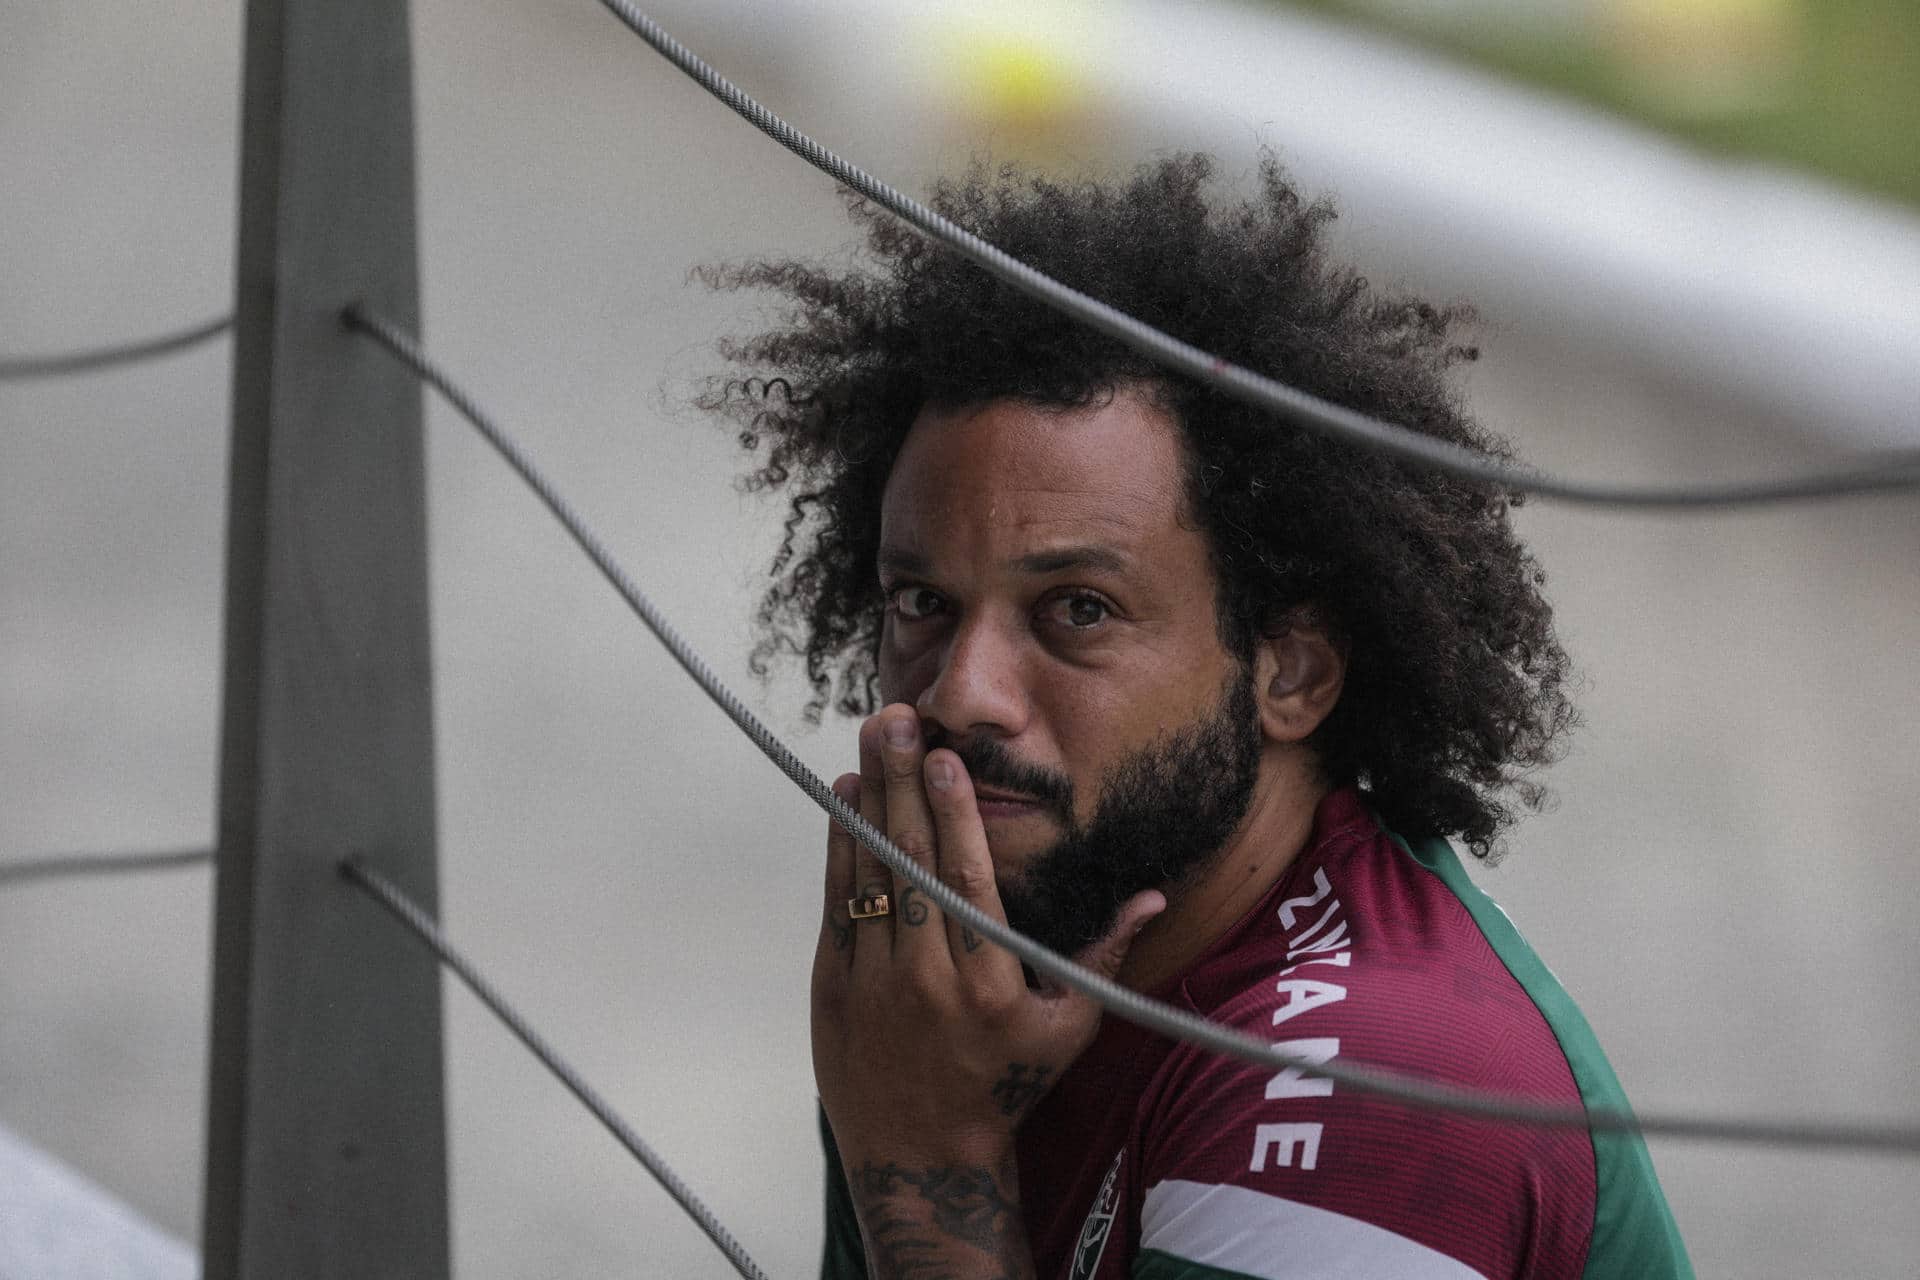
1298, 672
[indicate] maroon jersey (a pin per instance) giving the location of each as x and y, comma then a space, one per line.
1153, 1160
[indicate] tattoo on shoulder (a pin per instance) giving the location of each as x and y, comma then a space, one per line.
1021, 1087
912, 1216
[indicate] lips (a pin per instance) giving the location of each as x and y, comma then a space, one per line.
1006, 805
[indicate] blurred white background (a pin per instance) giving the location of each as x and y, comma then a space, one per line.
1727, 883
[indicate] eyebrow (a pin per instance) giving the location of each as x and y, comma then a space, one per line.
1087, 556
902, 561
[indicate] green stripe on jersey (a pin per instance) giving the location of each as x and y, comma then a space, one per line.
1634, 1236
1151, 1264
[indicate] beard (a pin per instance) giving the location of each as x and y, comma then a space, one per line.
1163, 813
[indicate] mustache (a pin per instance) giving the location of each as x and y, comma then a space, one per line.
990, 764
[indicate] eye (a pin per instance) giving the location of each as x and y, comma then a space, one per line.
915, 603
1080, 611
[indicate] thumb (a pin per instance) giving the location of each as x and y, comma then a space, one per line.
1107, 955
1078, 1015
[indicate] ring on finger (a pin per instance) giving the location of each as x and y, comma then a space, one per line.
870, 907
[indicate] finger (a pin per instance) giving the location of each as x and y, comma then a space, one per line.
836, 925
918, 938
1076, 1017
1106, 956
966, 867
871, 878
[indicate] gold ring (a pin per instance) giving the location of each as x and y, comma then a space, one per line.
869, 908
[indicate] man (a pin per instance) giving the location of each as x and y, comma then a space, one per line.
1198, 698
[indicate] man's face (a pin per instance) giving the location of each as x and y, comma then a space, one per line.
1051, 614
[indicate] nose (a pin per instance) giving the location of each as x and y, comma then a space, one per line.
979, 686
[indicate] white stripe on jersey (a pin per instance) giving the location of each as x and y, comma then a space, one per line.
1255, 1234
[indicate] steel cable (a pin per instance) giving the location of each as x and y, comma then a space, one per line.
1891, 471
59, 865
423, 926
1901, 1137
15, 368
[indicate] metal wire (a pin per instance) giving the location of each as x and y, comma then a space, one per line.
1890, 471
408, 912
1897, 1137
57, 866
16, 368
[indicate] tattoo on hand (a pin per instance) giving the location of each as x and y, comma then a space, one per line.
965, 1203
842, 933
1021, 1087
912, 909
969, 939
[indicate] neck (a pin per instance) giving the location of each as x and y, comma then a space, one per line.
1277, 826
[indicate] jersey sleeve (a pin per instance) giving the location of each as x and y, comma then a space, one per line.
1272, 1174
842, 1257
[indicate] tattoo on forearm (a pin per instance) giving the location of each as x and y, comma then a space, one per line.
1021, 1087
912, 909
912, 1218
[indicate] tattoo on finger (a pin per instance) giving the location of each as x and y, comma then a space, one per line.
913, 909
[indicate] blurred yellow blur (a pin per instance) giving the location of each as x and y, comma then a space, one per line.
1018, 73
1705, 57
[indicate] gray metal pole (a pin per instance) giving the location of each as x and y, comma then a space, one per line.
326, 1150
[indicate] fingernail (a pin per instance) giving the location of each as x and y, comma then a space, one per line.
940, 772
900, 731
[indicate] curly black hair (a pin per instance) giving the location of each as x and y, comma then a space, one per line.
1455, 689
